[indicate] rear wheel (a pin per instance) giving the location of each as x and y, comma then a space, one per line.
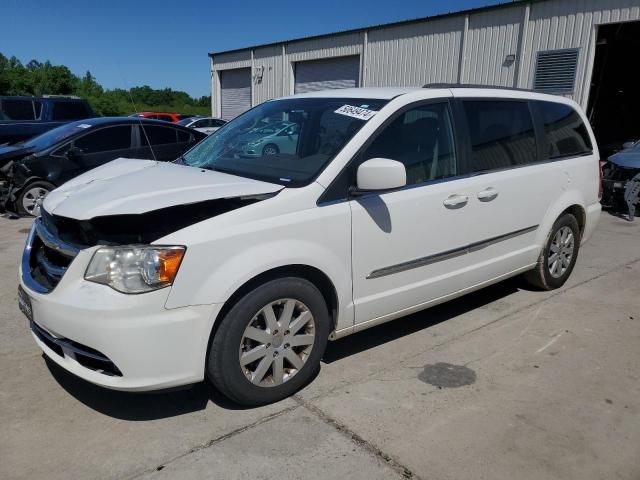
270, 343
31, 197
558, 257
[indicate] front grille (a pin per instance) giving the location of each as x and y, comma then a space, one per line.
85, 356
46, 258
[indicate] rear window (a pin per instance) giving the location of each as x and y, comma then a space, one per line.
69, 111
501, 133
565, 132
17, 110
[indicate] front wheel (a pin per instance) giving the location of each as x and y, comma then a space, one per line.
270, 343
270, 149
31, 197
558, 257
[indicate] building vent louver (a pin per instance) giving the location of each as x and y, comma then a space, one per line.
556, 71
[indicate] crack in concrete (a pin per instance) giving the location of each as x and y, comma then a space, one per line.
215, 441
355, 438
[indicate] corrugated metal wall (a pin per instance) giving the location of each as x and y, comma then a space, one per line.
490, 38
468, 48
414, 54
571, 24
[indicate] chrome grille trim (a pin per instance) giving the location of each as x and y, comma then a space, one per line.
53, 242
31, 256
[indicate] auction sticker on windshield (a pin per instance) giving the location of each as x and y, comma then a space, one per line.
356, 112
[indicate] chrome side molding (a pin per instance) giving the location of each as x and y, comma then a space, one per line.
446, 255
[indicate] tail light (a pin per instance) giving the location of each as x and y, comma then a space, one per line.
599, 180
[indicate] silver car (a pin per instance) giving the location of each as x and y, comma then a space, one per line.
206, 125
280, 137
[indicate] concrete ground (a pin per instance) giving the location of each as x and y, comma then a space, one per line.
505, 383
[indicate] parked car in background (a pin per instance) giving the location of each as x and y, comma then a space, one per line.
36, 167
24, 117
617, 174
206, 125
270, 139
240, 268
164, 116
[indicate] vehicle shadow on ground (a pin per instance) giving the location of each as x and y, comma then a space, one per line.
422, 320
170, 403
141, 406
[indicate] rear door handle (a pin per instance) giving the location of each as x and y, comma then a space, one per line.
487, 194
455, 201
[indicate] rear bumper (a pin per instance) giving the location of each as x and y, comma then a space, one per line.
592, 216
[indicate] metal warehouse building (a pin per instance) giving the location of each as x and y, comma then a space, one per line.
585, 49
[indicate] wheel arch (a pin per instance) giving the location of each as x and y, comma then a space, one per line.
314, 275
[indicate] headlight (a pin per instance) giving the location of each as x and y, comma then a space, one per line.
135, 268
255, 142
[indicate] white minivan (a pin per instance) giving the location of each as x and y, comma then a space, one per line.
141, 275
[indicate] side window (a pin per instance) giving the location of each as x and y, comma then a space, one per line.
165, 118
422, 139
69, 111
565, 133
218, 123
201, 124
105, 139
17, 110
183, 137
501, 134
158, 135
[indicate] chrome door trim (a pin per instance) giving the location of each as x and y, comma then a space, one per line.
448, 254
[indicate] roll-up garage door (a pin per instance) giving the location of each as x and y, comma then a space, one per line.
235, 92
337, 72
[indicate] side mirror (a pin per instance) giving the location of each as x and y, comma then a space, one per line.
74, 154
380, 174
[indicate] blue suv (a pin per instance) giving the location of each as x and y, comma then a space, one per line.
24, 117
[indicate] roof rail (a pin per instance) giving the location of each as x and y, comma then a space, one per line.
75, 97
470, 85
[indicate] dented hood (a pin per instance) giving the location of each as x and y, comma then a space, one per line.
131, 186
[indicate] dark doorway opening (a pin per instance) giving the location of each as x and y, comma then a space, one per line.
614, 98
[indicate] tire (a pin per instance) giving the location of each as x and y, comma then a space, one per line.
270, 149
27, 201
549, 274
251, 383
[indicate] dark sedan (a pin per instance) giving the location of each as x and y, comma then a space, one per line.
34, 168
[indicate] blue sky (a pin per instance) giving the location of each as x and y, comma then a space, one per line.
165, 43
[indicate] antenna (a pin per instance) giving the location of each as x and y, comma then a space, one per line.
135, 109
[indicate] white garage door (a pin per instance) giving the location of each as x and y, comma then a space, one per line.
339, 72
235, 92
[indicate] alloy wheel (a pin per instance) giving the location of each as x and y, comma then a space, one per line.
561, 252
277, 342
32, 199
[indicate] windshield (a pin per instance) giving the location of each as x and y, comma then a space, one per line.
284, 141
55, 135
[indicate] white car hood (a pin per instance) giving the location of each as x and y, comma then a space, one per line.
131, 186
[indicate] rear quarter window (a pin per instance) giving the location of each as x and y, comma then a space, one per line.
69, 111
565, 132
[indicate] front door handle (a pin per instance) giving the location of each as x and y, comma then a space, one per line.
487, 194
455, 201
